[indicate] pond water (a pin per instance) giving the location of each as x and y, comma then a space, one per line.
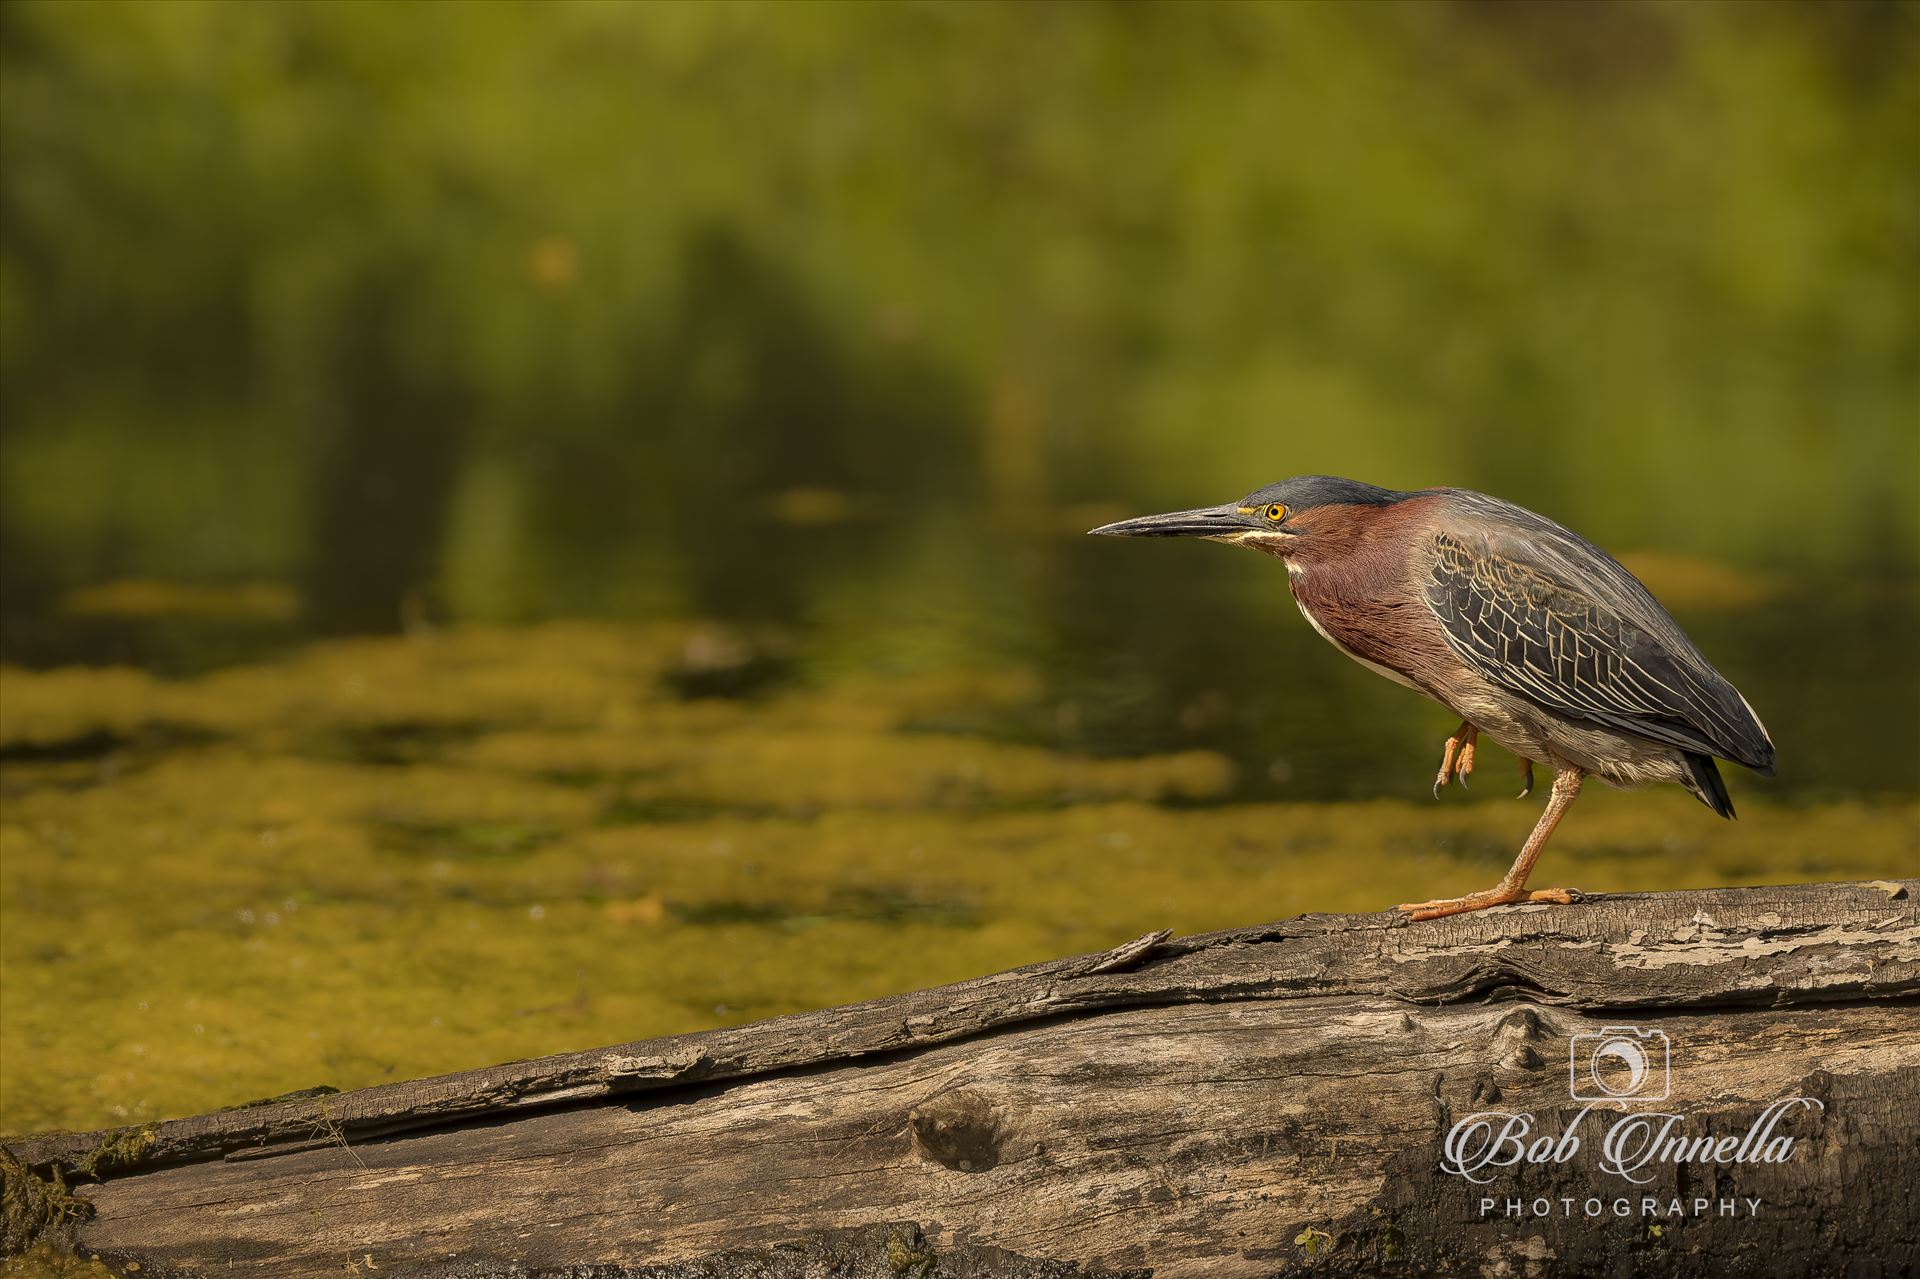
366, 859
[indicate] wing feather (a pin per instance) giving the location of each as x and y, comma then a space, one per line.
1542, 613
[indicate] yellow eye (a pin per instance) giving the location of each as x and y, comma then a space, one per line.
1276, 512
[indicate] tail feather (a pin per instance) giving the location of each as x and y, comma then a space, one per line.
1705, 783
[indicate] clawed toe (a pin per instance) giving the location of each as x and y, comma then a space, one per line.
1456, 761
1441, 907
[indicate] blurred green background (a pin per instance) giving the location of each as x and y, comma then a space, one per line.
458, 462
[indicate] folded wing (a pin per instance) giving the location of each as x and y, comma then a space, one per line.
1544, 614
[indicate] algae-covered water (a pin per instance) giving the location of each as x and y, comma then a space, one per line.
380, 858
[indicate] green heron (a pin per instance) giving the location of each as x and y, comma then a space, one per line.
1528, 632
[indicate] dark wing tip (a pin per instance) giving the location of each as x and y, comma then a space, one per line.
1755, 749
1706, 784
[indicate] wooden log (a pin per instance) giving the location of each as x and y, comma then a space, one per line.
1335, 1094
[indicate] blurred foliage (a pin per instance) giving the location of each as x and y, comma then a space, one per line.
541, 309
850, 318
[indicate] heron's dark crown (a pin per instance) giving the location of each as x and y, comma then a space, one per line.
1304, 492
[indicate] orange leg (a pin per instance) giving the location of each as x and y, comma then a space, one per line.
1458, 759
1566, 788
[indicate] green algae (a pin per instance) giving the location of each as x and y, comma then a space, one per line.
907, 1259
556, 848
49, 1260
32, 1207
120, 1148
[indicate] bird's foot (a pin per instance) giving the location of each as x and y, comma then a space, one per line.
1503, 895
1526, 779
1457, 759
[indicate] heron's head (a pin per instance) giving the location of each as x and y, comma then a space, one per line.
1278, 519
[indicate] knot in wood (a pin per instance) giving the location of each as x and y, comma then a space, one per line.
959, 1129
1514, 1039
1523, 1023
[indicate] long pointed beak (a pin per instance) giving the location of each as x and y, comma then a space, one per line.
1206, 521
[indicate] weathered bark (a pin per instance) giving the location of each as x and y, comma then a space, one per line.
1269, 1100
